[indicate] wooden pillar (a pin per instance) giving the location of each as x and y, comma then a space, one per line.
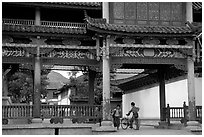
5, 82
37, 16
106, 81
92, 75
191, 89
161, 74
189, 12
37, 85
106, 11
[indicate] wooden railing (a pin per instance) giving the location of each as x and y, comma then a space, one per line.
176, 112
17, 111
71, 111
18, 22
44, 23
181, 113
198, 111
62, 24
49, 111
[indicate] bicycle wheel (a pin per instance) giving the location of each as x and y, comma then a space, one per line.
124, 123
136, 124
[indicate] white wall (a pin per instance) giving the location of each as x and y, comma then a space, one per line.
148, 99
64, 100
177, 93
198, 91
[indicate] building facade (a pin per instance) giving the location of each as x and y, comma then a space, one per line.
105, 37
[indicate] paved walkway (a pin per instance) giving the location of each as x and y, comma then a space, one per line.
146, 128
149, 130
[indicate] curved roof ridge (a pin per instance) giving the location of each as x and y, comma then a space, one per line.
96, 24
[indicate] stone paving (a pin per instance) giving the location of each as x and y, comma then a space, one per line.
150, 130
147, 128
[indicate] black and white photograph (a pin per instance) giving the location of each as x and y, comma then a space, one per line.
101, 67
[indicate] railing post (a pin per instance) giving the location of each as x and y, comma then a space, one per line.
185, 113
168, 114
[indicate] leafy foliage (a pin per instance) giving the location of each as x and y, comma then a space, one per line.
20, 86
80, 87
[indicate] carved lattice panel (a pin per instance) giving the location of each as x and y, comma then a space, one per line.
130, 10
118, 10
176, 11
142, 10
153, 11
165, 11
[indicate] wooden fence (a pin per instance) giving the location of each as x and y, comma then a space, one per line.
181, 113
43, 23
52, 111
71, 111
17, 111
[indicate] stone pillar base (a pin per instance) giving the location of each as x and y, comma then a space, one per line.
106, 126
194, 126
36, 120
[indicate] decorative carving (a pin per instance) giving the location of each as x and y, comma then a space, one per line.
189, 42
13, 52
75, 54
7, 39
172, 42
142, 11
145, 52
165, 11
128, 41
153, 11
128, 52
181, 67
118, 10
96, 68
130, 10
38, 41
176, 13
112, 39
71, 42
114, 67
114, 50
151, 41
26, 66
149, 52
164, 54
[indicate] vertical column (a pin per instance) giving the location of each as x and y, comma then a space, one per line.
37, 16
105, 7
92, 75
37, 85
189, 12
162, 93
106, 81
191, 89
5, 82
37, 72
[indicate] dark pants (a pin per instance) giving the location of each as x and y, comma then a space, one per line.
136, 120
116, 121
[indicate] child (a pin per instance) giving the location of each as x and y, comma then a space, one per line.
116, 116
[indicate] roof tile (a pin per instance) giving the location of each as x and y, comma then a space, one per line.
92, 24
42, 29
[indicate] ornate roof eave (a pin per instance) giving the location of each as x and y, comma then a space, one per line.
101, 26
73, 5
36, 30
109, 32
